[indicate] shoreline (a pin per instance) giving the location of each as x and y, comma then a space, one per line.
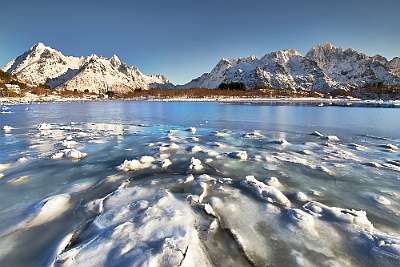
282, 100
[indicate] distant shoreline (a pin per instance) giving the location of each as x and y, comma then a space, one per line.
282, 101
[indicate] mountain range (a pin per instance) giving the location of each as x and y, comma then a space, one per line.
44, 65
324, 68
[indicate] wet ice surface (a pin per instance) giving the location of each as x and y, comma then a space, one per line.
113, 194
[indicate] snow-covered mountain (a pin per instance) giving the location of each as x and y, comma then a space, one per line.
44, 65
324, 68
349, 67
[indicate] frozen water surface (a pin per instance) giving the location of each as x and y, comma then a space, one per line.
125, 183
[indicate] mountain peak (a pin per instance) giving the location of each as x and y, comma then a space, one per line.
326, 46
38, 47
115, 61
322, 49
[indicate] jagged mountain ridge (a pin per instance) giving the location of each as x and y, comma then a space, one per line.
324, 68
44, 65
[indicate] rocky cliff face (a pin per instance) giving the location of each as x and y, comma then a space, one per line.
44, 65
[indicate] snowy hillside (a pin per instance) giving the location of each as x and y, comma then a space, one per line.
44, 65
324, 68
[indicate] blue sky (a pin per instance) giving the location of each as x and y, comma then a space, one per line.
182, 39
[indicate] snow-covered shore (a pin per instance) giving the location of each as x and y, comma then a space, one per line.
282, 100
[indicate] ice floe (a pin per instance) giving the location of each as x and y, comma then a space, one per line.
164, 147
374, 164
316, 133
242, 155
18, 180
303, 220
74, 154
42, 212
332, 138
195, 164
165, 163
382, 200
300, 196
253, 134
130, 165
282, 142
390, 147
7, 128
358, 147
143, 163
266, 192
68, 143
221, 134
22, 160
135, 232
385, 248
68, 153
4, 166
355, 217
195, 149
273, 181
147, 159
44, 126
192, 130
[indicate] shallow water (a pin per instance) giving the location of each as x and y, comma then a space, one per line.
248, 185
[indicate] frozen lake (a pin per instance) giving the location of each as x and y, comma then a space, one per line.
135, 183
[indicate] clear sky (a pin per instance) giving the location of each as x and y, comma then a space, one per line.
182, 39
